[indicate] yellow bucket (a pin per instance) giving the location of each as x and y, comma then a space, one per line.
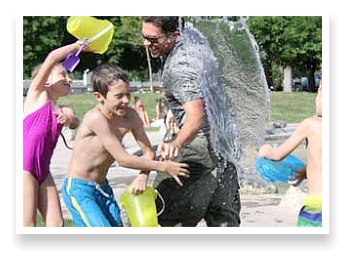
98, 32
141, 208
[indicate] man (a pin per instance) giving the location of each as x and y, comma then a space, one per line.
212, 191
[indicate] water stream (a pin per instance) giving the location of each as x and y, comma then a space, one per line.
236, 94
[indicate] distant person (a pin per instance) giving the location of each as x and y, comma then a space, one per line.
140, 109
161, 107
161, 112
43, 120
311, 130
86, 190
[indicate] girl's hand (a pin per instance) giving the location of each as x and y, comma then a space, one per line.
63, 119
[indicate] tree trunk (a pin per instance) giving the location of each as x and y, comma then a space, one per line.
287, 79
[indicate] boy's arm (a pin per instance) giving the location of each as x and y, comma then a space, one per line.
280, 152
139, 184
98, 123
140, 135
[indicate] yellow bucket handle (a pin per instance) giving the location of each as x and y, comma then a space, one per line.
99, 34
161, 198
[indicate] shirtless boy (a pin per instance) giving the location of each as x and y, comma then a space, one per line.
311, 130
86, 190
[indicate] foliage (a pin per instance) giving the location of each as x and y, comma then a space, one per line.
277, 76
283, 40
294, 41
41, 34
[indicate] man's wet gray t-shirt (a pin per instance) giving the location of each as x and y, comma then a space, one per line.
185, 69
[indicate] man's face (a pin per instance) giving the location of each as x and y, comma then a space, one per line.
158, 43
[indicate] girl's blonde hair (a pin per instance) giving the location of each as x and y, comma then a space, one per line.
37, 68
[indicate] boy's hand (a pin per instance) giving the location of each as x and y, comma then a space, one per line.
139, 184
300, 175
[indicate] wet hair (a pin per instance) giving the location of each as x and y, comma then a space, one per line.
105, 75
168, 24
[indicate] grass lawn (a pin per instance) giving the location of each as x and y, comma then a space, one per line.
289, 106
40, 222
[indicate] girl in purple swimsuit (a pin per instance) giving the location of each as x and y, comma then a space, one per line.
43, 120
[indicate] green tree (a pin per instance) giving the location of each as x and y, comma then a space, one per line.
289, 41
41, 34
283, 41
305, 46
128, 43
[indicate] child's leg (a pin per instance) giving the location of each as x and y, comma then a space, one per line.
49, 203
30, 199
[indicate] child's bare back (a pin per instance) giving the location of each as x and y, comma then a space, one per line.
310, 129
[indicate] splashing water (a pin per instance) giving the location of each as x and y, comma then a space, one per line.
235, 92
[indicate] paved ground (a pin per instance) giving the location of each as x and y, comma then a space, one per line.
262, 210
